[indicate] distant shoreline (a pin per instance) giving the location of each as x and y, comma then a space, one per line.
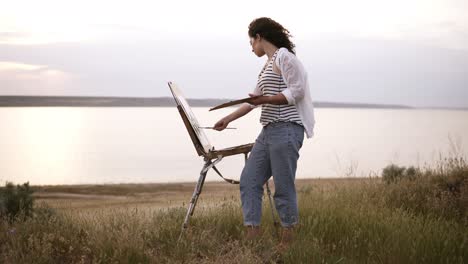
187, 186
87, 101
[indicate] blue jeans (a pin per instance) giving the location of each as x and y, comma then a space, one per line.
275, 152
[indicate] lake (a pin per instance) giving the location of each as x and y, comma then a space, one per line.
78, 145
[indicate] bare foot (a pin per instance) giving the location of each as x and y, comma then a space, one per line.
287, 237
252, 233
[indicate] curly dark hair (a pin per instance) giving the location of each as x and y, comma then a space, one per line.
272, 31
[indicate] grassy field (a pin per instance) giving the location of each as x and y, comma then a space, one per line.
362, 220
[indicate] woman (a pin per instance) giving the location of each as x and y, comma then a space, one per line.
287, 112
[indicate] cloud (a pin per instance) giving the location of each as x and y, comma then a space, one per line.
445, 34
22, 78
340, 68
9, 37
387, 71
26, 38
17, 66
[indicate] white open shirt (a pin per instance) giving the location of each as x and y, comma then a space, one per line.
297, 92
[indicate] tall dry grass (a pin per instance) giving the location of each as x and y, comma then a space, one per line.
417, 220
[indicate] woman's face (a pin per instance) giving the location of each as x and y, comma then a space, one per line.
257, 46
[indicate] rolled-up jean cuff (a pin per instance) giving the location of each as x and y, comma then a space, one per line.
251, 224
287, 225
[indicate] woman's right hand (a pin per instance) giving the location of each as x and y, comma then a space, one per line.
221, 124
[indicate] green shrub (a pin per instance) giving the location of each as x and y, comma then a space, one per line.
16, 201
450, 182
393, 173
440, 191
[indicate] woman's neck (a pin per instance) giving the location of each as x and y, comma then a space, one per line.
270, 49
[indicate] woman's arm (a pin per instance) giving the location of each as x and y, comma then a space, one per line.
294, 76
224, 122
278, 99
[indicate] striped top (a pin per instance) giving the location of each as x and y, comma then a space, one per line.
272, 83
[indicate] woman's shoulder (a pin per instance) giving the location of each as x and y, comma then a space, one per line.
284, 55
284, 52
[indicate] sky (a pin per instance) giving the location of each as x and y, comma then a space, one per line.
410, 52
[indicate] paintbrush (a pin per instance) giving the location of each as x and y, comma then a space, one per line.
213, 127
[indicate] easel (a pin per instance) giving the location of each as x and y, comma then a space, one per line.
203, 147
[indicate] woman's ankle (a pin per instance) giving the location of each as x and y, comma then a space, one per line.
286, 239
252, 232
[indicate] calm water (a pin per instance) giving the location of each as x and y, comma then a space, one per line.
66, 145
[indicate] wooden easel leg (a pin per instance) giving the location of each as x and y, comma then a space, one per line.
196, 192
